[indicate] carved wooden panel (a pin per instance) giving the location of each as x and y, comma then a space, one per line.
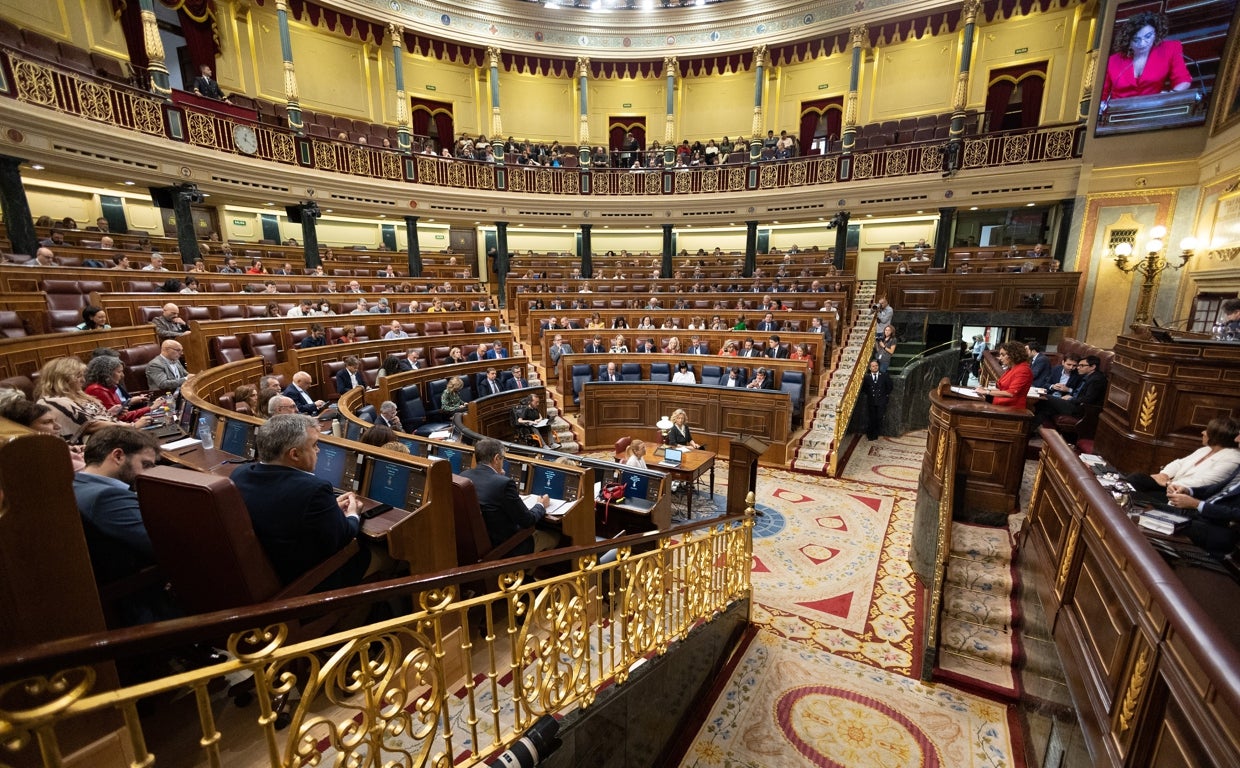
975, 299
1106, 628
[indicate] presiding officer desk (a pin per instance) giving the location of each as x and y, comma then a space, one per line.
417, 530
1150, 647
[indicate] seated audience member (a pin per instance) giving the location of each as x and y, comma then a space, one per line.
619, 346
818, 326
316, 338
635, 455
304, 308
1216, 460
595, 346
496, 352
378, 436
611, 373
558, 349
450, 401
349, 336
38, 417
280, 404
166, 372
525, 416
109, 507
680, 433
350, 376
93, 319
245, 399
760, 380
1230, 322
395, 331
673, 346
1215, 509
456, 356
683, 375
103, 375
733, 379
518, 380
297, 392
1091, 390
774, 349
1012, 388
1063, 377
170, 324
77, 413
503, 511
801, 352
298, 519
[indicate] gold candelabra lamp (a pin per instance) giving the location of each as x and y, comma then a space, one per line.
1153, 264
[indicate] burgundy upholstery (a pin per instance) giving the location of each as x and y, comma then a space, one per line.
11, 325
63, 294
622, 447
135, 360
261, 344
225, 349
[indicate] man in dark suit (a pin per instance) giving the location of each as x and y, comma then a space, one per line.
388, 416
116, 535
768, 323
503, 511
300, 397
1091, 390
518, 379
489, 384
698, 347
611, 373
595, 347
647, 346
1040, 365
298, 518
876, 388
559, 348
350, 376
1063, 377
749, 350
1216, 509
487, 326
496, 352
205, 85
733, 379
774, 349
412, 361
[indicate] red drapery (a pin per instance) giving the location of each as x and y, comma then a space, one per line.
618, 126
423, 111
198, 27
1002, 82
814, 111
336, 20
130, 17
444, 128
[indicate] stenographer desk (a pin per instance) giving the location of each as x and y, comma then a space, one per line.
693, 464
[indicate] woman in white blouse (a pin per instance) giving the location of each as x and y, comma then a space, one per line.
637, 455
1212, 463
683, 375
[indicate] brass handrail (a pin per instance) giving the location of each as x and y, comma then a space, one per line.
844, 408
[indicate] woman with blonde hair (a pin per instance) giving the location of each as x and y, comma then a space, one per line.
636, 454
77, 414
451, 401
618, 345
680, 434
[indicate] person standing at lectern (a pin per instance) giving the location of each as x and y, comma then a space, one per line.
205, 85
877, 390
1144, 62
1012, 388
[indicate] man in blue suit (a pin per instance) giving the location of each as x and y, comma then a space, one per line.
298, 518
496, 352
350, 376
503, 511
114, 456
1040, 365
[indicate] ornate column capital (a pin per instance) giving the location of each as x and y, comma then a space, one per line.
398, 33
970, 9
859, 36
282, 5
759, 56
583, 66
670, 66
493, 54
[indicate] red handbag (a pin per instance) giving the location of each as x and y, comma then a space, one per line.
610, 493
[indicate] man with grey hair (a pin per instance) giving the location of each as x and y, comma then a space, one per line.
43, 257
503, 511
389, 416
281, 405
297, 517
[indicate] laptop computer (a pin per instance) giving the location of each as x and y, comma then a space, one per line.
671, 458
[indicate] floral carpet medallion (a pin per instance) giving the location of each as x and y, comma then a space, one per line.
836, 574
829, 711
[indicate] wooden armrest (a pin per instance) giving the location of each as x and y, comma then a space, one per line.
127, 585
306, 583
500, 552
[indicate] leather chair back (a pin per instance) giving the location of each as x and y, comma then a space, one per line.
472, 540
261, 344
622, 447
63, 294
203, 539
225, 349
135, 360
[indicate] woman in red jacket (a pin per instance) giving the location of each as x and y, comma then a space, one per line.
1013, 386
1143, 61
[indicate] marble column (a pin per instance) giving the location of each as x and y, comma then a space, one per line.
16, 207
960, 96
160, 83
751, 248
666, 268
501, 255
414, 247
497, 124
755, 141
669, 127
587, 257
583, 116
404, 138
841, 240
860, 37
290, 74
943, 235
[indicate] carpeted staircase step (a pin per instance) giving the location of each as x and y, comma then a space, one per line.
980, 576
981, 542
965, 638
984, 608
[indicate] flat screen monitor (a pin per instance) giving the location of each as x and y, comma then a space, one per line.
453, 456
549, 481
236, 439
185, 419
635, 485
672, 455
416, 447
388, 482
332, 464
353, 431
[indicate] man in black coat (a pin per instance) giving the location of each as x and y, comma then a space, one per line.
1091, 390
1215, 509
876, 388
1040, 365
503, 511
206, 85
298, 518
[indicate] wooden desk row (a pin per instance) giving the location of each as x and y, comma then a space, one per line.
1151, 651
1041, 294
888, 268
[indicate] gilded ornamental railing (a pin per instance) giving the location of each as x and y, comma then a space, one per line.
46, 85
848, 401
448, 682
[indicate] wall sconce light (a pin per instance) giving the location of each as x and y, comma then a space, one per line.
1153, 265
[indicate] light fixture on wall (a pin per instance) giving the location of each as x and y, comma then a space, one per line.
1153, 264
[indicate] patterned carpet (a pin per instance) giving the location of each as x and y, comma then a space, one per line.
787, 704
831, 677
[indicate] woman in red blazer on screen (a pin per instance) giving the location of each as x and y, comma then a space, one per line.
1143, 62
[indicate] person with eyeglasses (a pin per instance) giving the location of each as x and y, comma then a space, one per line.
1091, 390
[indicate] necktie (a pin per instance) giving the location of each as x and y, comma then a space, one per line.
875, 378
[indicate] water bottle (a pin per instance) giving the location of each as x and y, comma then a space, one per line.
204, 433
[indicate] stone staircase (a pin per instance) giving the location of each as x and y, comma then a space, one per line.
561, 430
813, 453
